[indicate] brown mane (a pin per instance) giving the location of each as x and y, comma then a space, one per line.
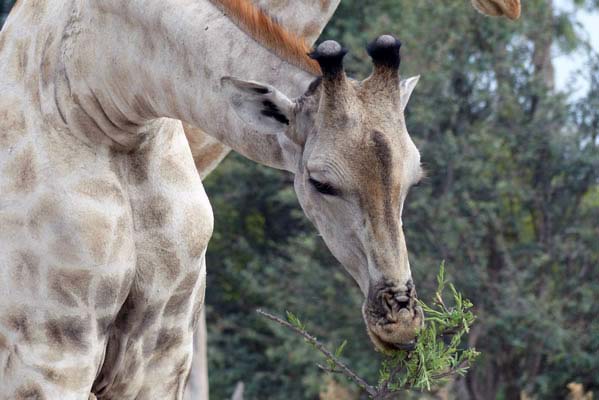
269, 33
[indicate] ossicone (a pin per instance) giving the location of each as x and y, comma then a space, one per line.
384, 51
329, 55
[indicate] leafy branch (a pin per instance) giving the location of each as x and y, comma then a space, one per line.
338, 366
435, 356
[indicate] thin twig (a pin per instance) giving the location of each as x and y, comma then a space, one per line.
329, 370
451, 371
371, 390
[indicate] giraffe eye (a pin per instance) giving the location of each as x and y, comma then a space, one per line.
324, 188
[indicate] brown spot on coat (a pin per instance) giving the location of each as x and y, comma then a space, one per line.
167, 340
139, 165
173, 172
96, 232
101, 190
26, 268
30, 391
65, 245
70, 287
137, 317
45, 211
162, 258
22, 171
106, 293
177, 304
67, 333
12, 127
87, 125
19, 322
170, 265
68, 378
154, 213
3, 342
189, 282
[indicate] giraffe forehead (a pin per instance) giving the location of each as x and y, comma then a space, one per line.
372, 159
393, 159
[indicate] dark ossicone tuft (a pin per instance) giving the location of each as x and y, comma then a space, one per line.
329, 55
385, 51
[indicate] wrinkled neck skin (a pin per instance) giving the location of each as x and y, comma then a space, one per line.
124, 64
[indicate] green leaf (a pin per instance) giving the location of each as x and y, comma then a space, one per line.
340, 349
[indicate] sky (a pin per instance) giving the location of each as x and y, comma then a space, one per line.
566, 66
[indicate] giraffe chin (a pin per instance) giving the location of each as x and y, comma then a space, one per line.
399, 334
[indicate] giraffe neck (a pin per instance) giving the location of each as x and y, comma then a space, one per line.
305, 19
154, 60
106, 70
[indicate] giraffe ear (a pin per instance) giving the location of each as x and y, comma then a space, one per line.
406, 87
260, 105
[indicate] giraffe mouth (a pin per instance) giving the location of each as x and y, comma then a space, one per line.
393, 317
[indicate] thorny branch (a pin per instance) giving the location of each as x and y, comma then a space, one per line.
422, 364
371, 390
383, 391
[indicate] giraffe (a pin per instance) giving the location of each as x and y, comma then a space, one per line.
104, 218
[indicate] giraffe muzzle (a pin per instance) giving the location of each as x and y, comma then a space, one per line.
392, 315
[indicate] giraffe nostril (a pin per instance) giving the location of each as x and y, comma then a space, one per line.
402, 301
389, 302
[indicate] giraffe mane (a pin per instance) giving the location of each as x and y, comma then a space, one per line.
269, 33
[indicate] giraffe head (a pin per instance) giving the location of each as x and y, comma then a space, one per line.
354, 163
